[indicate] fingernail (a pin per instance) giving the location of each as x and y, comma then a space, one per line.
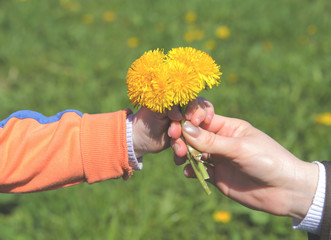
191, 129
178, 115
175, 147
208, 118
188, 116
197, 121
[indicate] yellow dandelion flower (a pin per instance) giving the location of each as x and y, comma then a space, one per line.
190, 17
204, 66
161, 96
312, 29
324, 118
222, 216
109, 16
184, 81
158, 81
133, 42
210, 45
88, 19
223, 32
147, 82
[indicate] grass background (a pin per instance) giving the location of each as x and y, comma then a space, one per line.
56, 55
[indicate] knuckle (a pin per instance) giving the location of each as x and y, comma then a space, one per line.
209, 140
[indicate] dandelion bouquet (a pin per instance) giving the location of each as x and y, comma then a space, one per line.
159, 81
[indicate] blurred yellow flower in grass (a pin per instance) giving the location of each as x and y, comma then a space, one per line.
159, 81
222, 216
194, 34
109, 16
312, 29
190, 17
133, 42
233, 78
69, 5
267, 45
210, 45
88, 19
303, 40
223, 32
323, 118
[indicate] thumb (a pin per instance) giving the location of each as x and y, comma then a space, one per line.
208, 142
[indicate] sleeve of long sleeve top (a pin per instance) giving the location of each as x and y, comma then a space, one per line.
41, 153
313, 220
135, 163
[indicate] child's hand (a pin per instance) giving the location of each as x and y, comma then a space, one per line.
151, 130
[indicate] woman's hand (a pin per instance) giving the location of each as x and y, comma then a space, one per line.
252, 168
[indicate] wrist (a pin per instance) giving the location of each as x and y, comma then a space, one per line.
313, 220
304, 187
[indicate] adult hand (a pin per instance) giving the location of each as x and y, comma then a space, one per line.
252, 168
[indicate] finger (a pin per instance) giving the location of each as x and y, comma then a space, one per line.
209, 142
174, 114
205, 157
179, 147
188, 171
224, 125
196, 111
190, 109
175, 130
210, 111
179, 160
200, 113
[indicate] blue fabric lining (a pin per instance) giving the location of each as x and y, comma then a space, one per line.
23, 114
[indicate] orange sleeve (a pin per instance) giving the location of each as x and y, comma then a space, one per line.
39, 153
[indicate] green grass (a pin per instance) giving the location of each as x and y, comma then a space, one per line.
279, 53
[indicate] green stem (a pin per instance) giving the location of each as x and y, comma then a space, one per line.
198, 174
203, 170
197, 156
194, 157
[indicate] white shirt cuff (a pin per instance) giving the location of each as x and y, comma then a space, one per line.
313, 220
136, 164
